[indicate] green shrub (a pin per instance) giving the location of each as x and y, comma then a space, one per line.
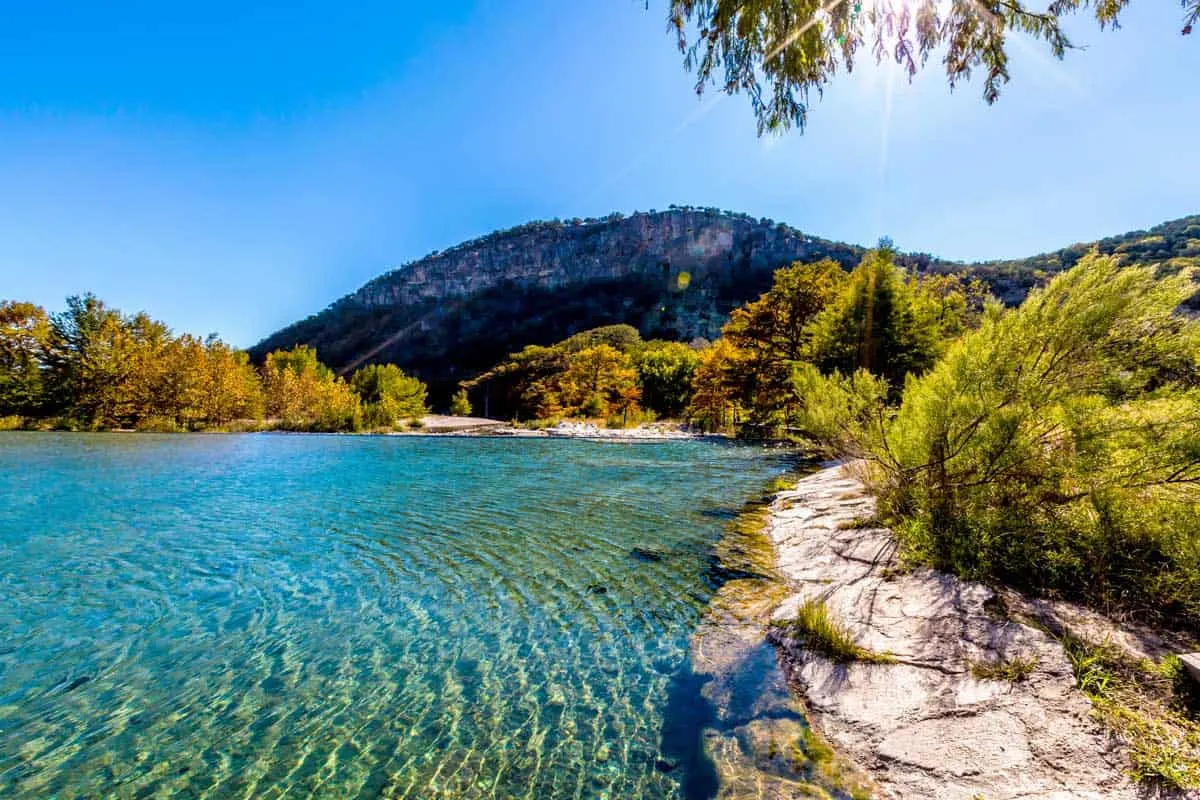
460, 404
12, 423
837, 412
1058, 447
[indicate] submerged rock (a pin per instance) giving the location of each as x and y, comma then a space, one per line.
647, 555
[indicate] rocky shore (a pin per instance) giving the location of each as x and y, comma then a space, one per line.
567, 429
923, 726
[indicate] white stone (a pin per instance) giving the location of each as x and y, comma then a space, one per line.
924, 727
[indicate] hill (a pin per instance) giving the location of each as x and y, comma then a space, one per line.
672, 274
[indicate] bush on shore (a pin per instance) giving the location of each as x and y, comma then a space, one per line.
1056, 448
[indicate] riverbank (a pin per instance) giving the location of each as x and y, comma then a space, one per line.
955, 697
437, 425
566, 429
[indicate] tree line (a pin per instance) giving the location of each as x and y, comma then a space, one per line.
606, 373
90, 367
878, 317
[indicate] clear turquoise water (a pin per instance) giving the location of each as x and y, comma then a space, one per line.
322, 616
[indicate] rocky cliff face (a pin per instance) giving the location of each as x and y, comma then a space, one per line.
548, 256
672, 274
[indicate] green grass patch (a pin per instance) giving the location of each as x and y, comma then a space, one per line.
1013, 670
1151, 706
821, 633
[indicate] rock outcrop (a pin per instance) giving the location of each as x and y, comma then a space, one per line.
924, 726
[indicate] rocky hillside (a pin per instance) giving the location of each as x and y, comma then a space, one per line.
672, 274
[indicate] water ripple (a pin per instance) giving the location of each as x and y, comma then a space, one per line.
284, 616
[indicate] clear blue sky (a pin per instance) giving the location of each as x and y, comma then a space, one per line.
235, 166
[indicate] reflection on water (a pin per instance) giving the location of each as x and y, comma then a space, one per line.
357, 617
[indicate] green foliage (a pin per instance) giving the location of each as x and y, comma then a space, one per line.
780, 362
838, 413
460, 404
622, 338
388, 395
1058, 446
890, 323
777, 51
820, 633
664, 376
92, 367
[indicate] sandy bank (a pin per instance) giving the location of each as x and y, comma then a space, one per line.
924, 727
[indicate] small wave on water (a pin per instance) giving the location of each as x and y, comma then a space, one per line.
269, 616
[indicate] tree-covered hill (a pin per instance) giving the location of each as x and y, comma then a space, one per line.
673, 274
1012, 280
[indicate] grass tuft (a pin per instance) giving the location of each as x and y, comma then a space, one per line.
1013, 670
860, 522
819, 632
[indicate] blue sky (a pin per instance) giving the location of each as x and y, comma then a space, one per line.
232, 169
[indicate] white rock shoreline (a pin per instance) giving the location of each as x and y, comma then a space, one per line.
567, 429
924, 727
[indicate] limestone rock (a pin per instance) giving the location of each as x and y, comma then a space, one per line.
923, 726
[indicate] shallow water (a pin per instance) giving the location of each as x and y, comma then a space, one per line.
323, 616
